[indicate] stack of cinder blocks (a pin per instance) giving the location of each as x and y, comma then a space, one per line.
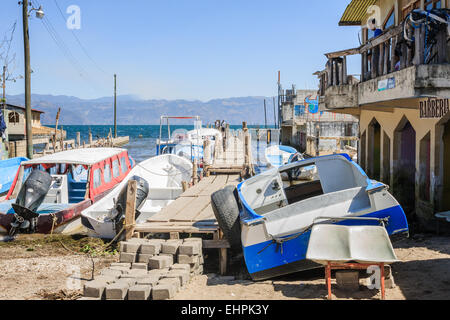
148, 269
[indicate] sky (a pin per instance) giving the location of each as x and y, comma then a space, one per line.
177, 49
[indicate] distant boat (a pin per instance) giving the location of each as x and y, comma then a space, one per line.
187, 144
159, 184
49, 193
279, 155
8, 171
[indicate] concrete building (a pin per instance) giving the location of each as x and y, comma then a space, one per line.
401, 99
315, 132
15, 144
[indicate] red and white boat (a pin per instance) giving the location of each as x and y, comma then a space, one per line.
49, 193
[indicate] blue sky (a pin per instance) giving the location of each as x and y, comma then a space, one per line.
179, 49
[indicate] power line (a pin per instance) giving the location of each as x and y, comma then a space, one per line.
79, 42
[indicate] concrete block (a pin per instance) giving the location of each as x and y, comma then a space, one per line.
125, 265
111, 272
137, 240
144, 258
152, 247
122, 246
186, 259
163, 291
185, 267
194, 239
347, 280
171, 281
141, 266
87, 299
160, 262
94, 289
201, 260
134, 274
190, 248
158, 272
116, 291
127, 257
171, 246
139, 292
106, 279
199, 270
183, 276
127, 281
131, 247
149, 280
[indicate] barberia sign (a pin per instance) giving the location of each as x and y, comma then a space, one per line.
433, 108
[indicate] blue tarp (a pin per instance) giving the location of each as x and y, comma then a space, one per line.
8, 170
2, 124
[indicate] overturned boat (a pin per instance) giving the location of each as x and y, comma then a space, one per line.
49, 193
159, 182
276, 217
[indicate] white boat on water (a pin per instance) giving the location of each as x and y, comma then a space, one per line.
159, 184
279, 155
188, 144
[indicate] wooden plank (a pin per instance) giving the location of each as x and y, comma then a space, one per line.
195, 207
216, 244
233, 180
172, 209
207, 214
155, 228
195, 190
130, 209
218, 184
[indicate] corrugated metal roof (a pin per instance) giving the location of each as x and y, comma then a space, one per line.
355, 12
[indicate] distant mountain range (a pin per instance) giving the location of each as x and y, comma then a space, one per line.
134, 111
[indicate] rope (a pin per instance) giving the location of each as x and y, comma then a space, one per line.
164, 175
55, 219
280, 241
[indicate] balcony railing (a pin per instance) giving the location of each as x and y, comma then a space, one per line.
420, 39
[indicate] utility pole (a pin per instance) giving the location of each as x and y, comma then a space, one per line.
274, 114
265, 115
26, 42
115, 106
4, 89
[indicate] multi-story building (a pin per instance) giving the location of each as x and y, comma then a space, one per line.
312, 131
401, 98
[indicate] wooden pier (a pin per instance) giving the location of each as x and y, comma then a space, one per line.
224, 165
192, 213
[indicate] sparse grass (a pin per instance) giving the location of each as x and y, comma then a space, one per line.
59, 244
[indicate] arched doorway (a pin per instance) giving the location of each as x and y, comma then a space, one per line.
374, 150
446, 168
405, 165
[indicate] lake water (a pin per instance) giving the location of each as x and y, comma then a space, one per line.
142, 138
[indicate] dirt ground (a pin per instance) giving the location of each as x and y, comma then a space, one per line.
40, 267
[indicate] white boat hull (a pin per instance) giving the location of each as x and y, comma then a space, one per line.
164, 175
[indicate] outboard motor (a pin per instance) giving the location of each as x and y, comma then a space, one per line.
120, 205
30, 197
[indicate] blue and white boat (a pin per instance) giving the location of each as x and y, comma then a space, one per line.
276, 216
279, 155
8, 171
